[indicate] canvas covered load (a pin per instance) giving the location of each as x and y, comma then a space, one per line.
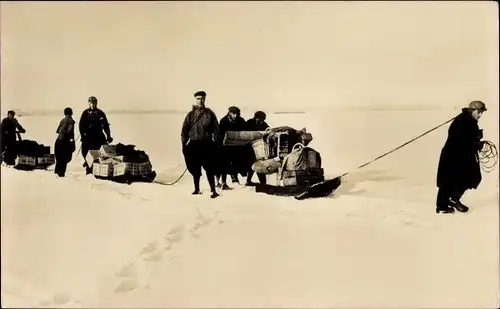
302, 167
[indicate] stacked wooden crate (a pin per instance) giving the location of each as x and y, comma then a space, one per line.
32, 155
108, 163
266, 149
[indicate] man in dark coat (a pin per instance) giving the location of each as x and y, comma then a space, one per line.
93, 124
8, 129
257, 123
459, 168
231, 159
200, 132
65, 142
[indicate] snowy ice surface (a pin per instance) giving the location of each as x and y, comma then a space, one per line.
377, 242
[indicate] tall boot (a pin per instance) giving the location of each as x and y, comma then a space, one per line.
262, 179
249, 178
196, 180
211, 182
443, 198
456, 203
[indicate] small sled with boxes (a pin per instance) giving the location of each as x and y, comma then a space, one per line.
122, 163
32, 155
282, 153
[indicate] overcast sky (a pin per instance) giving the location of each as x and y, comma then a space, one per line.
300, 55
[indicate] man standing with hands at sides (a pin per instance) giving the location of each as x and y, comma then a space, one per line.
200, 131
65, 142
93, 124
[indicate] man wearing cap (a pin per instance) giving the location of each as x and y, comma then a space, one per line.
93, 124
459, 168
65, 142
8, 129
200, 132
257, 123
231, 157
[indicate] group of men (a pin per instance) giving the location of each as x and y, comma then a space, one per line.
202, 139
202, 146
94, 132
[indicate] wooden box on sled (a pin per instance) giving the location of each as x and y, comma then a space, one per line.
102, 169
240, 138
134, 169
41, 162
265, 149
302, 178
116, 169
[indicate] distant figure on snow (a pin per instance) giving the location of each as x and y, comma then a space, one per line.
257, 123
200, 132
93, 124
231, 159
65, 142
8, 142
459, 168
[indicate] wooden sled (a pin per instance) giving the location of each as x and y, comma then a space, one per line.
129, 178
321, 189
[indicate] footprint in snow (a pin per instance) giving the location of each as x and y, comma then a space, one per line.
176, 234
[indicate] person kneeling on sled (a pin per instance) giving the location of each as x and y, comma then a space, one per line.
231, 157
8, 129
257, 123
200, 132
459, 168
65, 142
93, 124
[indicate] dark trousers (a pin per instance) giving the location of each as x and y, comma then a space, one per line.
63, 150
9, 151
198, 155
446, 194
91, 143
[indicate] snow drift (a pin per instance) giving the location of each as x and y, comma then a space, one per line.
82, 242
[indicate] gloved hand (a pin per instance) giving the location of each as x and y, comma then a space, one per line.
22, 131
480, 145
110, 139
480, 134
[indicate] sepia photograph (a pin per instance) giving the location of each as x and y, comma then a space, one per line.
249, 154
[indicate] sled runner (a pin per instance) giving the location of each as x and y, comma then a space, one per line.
317, 190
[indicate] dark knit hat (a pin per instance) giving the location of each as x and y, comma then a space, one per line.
68, 111
260, 115
234, 110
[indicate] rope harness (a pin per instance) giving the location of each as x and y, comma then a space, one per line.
488, 157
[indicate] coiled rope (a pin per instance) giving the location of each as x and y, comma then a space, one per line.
488, 157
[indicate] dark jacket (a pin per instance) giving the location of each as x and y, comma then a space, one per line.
227, 125
200, 124
8, 129
65, 130
459, 164
252, 125
92, 124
